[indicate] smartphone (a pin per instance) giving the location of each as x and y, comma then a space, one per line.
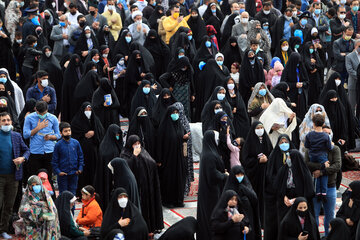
304, 233
260, 155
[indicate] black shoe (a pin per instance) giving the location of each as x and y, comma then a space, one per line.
168, 205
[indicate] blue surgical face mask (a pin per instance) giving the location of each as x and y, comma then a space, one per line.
95, 61
262, 92
62, 24
240, 179
220, 63
128, 39
303, 21
217, 110
42, 116
6, 128
117, 138
220, 96
355, 8
190, 37
36, 189
242, 10
317, 11
181, 56
297, 46
146, 90
284, 147
208, 44
265, 27
174, 116
213, 10
3, 80
311, 51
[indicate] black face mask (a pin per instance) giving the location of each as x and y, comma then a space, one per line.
251, 58
138, 60
67, 137
47, 17
301, 213
82, 24
92, 13
3, 94
166, 100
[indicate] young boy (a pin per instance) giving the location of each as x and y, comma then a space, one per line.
67, 160
319, 144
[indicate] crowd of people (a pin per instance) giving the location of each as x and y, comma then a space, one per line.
267, 90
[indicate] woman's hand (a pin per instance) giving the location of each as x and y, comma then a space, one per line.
300, 237
124, 222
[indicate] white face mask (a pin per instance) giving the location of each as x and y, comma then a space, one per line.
44, 83
337, 82
259, 132
87, 114
342, 16
266, 12
244, 20
48, 54
121, 62
88, 35
123, 202
294, 13
105, 55
111, 7
285, 48
287, 18
139, 21
231, 86
53, 4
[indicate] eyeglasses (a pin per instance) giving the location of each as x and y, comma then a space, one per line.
342, 12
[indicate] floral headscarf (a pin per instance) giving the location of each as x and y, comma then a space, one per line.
39, 213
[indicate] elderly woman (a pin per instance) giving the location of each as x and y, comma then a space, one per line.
38, 212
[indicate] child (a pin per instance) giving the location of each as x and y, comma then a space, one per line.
90, 215
67, 160
45, 181
319, 144
235, 67
234, 148
278, 68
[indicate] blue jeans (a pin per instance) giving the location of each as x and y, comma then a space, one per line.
329, 208
67, 183
320, 182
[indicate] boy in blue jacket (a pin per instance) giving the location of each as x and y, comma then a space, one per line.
67, 160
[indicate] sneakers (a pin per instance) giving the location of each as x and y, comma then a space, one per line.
6, 236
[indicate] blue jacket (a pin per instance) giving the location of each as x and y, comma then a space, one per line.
35, 93
19, 150
67, 157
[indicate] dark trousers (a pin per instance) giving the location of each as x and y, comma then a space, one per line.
8, 191
67, 183
39, 161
